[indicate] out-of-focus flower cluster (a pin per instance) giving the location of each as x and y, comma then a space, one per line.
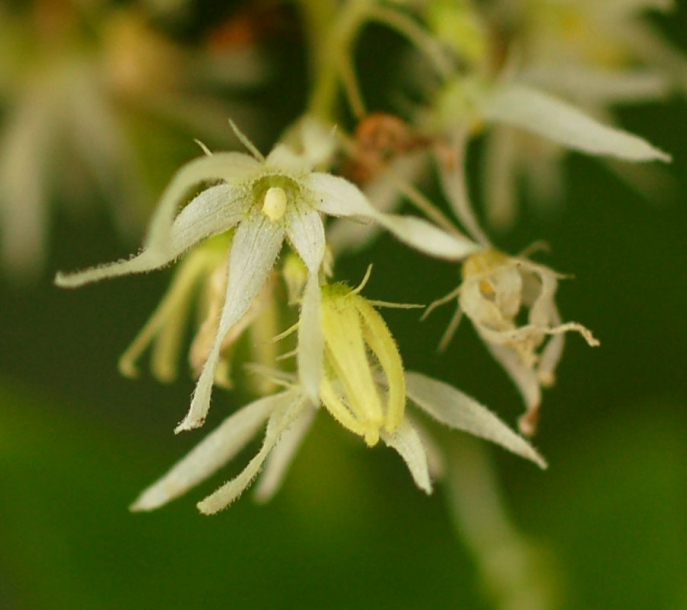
256, 238
84, 86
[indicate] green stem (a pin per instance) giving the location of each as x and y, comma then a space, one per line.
331, 31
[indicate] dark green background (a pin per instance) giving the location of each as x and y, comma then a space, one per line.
78, 442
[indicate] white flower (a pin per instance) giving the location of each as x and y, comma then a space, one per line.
266, 201
364, 390
199, 283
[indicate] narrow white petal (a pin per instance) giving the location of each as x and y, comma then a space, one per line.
599, 86
435, 454
454, 184
255, 247
147, 260
385, 196
458, 410
311, 338
407, 443
27, 155
562, 122
282, 456
229, 166
427, 238
214, 211
337, 196
306, 233
278, 423
319, 143
499, 176
211, 453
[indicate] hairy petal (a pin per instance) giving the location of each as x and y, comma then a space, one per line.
306, 233
277, 425
214, 211
311, 338
212, 453
458, 410
229, 166
338, 197
255, 247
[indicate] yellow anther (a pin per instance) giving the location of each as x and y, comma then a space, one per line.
274, 204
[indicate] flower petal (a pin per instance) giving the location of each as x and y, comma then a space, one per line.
277, 425
458, 410
562, 122
305, 231
282, 456
384, 194
229, 166
428, 239
27, 153
212, 453
214, 211
409, 446
338, 197
255, 247
599, 85
311, 338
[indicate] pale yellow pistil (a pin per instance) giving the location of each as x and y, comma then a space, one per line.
274, 203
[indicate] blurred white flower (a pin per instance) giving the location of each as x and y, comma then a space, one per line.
77, 80
595, 54
539, 78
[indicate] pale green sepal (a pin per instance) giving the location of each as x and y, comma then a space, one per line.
211, 454
458, 410
409, 446
562, 122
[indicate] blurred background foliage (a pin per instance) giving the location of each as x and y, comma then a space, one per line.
349, 530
